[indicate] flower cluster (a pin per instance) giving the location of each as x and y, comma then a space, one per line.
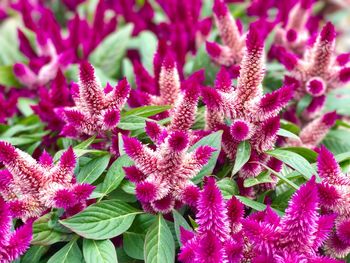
163, 175
334, 197
295, 34
217, 238
31, 187
318, 72
12, 243
297, 236
250, 114
233, 40
315, 131
96, 110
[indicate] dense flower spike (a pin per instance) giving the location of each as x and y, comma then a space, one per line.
31, 187
314, 132
230, 31
318, 72
218, 221
12, 243
253, 116
295, 34
96, 110
163, 176
297, 236
334, 196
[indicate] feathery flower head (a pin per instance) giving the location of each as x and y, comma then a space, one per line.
13, 244
218, 221
294, 34
31, 187
315, 131
297, 236
334, 196
163, 176
96, 110
233, 41
318, 72
252, 115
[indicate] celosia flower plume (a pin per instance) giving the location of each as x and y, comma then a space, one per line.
251, 115
12, 243
233, 40
218, 236
318, 72
96, 110
32, 187
297, 236
334, 197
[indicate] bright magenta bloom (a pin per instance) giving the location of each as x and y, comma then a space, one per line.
96, 110
251, 115
334, 196
12, 243
217, 238
32, 187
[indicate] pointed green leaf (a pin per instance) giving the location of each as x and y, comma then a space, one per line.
93, 169
101, 251
242, 156
180, 221
70, 253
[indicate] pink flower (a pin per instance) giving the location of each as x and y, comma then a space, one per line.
297, 236
252, 115
96, 110
217, 238
334, 196
318, 72
32, 187
13, 244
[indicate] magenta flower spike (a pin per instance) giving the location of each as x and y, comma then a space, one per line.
96, 110
32, 187
314, 132
295, 34
334, 197
13, 244
297, 236
163, 176
231, 51
252, 115
318, 72
218, 237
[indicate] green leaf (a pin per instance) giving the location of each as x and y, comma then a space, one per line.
295, 161
255, 205
45, 235
179, 221
263, 177
34, 254
159, 243
133, 244
147, 47
114, 176
202, 60
287, 134
83, 145
308, 154
132, 123
228, 187
335, 142
70, 253
109, 54
213, 140
24, 106
145, 111
101, 251
93, 169
289, 126
242, 156
17, 141
102, 220
7, 77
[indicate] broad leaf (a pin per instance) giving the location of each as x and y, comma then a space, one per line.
159, 243
179, 221
263, 177
228, 187
145, 111
101, 251
242, 156
70, 253
93, 169
102, 220
255, 205
133, 244
287, 134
